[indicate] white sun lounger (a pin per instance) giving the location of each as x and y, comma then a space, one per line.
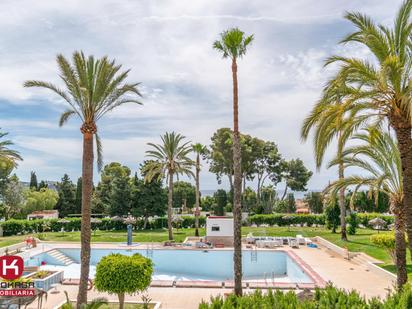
293, 243
301, 240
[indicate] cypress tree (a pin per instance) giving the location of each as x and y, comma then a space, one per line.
78, 202
33, 181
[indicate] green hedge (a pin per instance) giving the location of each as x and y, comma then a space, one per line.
311, 219
364, 218
287, 219
14, 227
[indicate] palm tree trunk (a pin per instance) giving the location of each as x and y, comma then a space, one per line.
342, 205
169, 206
284, 192
237, 189
259, 179
400, 244
242, 199
197, 196
87, 187
146, 219
230, 182
403, 135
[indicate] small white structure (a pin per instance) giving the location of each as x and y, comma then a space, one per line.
43, 214
219, 231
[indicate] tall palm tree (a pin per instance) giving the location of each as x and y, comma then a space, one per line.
233, 44
7, 154
199, 150
94, 87
169, 158
382, 86
333, 117
379, 156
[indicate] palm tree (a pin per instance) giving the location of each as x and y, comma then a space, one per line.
199, 150
332, 117
169, 158
233, 44
382, 87
379, 156
7, 154
94, 87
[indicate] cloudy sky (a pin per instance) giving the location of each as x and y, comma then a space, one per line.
186, 84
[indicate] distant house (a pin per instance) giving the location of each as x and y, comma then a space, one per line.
301, 207
43, 214
219, 230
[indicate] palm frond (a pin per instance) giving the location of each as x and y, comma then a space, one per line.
93, 87
233, 43
65, 116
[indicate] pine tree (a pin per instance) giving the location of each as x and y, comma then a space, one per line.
33, 181
221, 202
66, 203
103, 193
119, 196
148, 199
42, 184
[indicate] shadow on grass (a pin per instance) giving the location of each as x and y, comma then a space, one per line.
363, 243
392, 268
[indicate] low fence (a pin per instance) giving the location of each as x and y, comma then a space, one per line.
345, 253
12, 248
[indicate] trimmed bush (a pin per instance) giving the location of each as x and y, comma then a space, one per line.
14, 227
287, 219
386, 241
122, 274
364, 218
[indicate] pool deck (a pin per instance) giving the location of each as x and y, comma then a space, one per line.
324, 264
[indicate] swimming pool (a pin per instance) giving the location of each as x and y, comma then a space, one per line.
178, 264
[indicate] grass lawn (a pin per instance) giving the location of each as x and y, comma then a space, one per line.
359, 242
11, 240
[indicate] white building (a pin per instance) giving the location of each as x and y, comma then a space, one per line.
219, 231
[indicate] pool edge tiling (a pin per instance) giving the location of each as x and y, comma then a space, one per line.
316, 278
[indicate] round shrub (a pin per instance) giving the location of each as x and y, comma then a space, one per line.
386, 241
122, 274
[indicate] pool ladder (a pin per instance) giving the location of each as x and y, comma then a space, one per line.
149, 250
253, 255
269, 277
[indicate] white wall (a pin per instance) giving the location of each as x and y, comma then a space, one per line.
225, 226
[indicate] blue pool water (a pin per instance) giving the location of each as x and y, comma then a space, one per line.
192, 264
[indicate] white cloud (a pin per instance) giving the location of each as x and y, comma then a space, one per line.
186, 84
